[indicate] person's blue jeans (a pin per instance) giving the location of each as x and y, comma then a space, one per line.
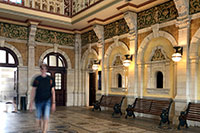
43, 109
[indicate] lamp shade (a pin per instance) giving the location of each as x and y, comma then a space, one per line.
95, 67
126, 63
176, 57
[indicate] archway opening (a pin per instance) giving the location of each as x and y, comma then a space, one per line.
8, 80
57, 69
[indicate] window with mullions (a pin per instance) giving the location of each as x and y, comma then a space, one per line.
8, 58
58, 81
15, 1
54, 60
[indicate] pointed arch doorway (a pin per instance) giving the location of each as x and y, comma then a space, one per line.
57, 69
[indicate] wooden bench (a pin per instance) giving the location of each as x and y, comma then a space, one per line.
160, 107
112, 101
191, 113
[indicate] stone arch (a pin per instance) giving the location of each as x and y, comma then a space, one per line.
19, 56
110, 49
59, 51
146, 40
194, 44
86, 53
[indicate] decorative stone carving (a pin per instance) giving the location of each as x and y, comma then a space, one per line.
88, 37
55, 6
13, 31
158, 14
77, 41
155, 29
158, 55
47, 36
99, 31
116, 40
55, 48
182, 7
194, 6
32, 33
116, 28
118, 61
131, 20
79, 5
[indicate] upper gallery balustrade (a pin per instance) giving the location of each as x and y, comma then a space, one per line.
64, 7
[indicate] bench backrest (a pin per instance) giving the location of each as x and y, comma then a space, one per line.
157, 106
193, 111
142, 105
151, 106
111, 100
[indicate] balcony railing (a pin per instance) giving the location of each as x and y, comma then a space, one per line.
64, 7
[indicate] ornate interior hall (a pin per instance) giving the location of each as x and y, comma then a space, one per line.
140, 56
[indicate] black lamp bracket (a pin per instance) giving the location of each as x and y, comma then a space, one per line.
179, 49
129, 57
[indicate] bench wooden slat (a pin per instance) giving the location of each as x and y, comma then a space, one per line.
113, 101
192, 113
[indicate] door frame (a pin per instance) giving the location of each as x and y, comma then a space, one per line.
60, 70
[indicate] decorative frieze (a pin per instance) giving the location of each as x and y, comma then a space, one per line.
118, 27
13, 31
194, 6
158, 14
89, 37
47, 36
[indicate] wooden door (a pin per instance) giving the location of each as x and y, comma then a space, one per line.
92, 88
60, 88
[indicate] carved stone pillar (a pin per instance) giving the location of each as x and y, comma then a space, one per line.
31, 54
183, 67
99, 31
77, 71
131, 20
194, 72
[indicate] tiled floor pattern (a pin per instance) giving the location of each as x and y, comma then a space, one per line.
83, 120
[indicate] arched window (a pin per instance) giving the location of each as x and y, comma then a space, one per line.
159, 79
54, 60
119, 79
8, 58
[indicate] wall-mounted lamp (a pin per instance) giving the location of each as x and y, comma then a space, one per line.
128, 60
177, 56
96, 64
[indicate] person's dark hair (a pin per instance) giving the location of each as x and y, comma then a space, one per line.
43, 65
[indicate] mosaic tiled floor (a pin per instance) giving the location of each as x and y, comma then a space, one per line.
83, 120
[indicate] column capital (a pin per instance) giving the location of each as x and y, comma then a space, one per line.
131, 20
99, 31
182, 6
77, 41
183, 22
32, 33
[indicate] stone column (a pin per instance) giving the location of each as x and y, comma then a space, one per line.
31, 56
183, 69
183, 65
99, 31
194, 72
77, 71
131, 20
